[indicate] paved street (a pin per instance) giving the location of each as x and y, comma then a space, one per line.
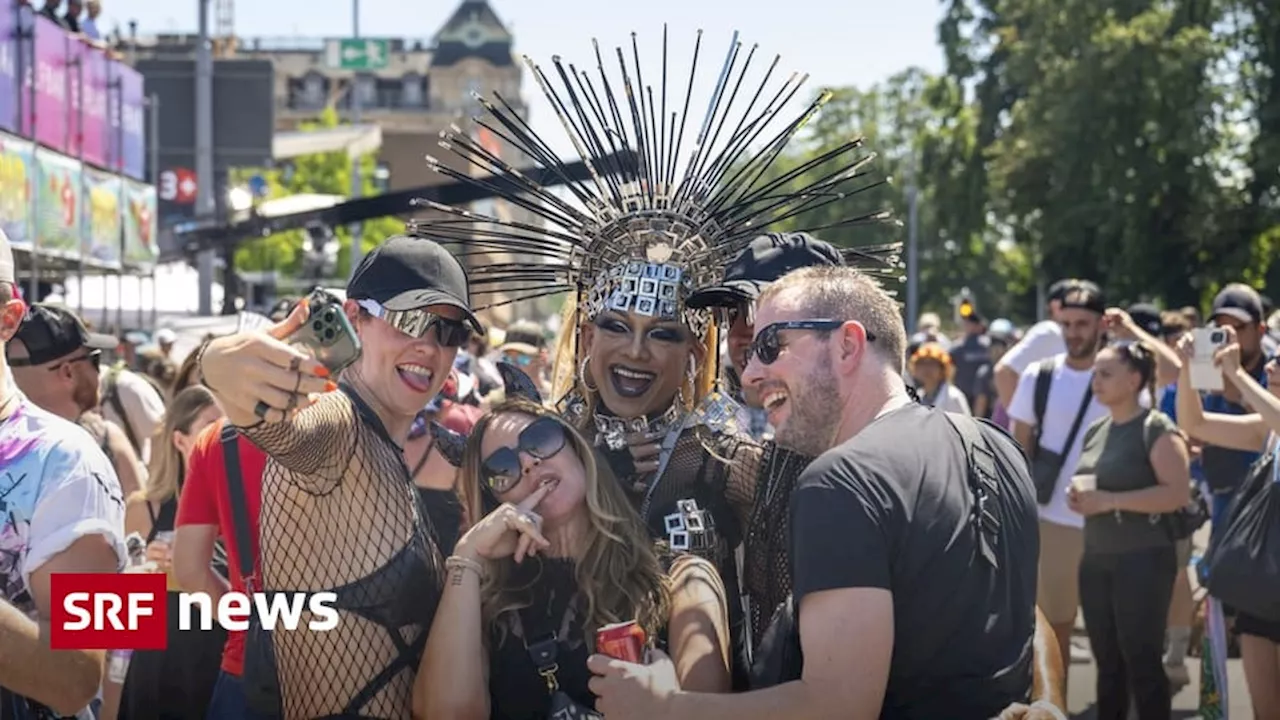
1081, 692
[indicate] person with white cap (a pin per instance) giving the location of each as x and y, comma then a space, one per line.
63, 512
165, 338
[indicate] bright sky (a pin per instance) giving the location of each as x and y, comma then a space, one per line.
849, 42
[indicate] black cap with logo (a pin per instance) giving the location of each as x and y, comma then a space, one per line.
766, 259
1238, 301
406, 273
50, 333
1147, 317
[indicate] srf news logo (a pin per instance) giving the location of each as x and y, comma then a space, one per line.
94, 611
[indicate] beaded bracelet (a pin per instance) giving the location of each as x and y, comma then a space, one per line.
456, 561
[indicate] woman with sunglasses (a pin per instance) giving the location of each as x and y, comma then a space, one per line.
339, 510
560, 555
1134, 468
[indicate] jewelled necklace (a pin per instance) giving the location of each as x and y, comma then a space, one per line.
612, 430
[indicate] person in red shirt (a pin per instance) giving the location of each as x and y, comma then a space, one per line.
204, 517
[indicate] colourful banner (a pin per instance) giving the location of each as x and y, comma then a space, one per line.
17, 178
101, 242
58, 195
51, 106
127, 103
94, 127
140, 246
9, 49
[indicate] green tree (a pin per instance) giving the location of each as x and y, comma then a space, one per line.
322, 173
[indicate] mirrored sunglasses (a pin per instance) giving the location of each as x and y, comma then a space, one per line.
541, 440
416, 323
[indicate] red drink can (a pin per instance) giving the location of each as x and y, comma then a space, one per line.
624, 641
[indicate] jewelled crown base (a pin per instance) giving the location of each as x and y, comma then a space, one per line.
651, 289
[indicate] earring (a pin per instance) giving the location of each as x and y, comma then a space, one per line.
584, 377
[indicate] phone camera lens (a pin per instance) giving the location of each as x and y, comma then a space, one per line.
329, 315
317, 326
328, 334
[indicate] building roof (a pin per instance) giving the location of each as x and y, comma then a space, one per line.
473, 31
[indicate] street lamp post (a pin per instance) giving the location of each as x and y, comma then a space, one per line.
357, 229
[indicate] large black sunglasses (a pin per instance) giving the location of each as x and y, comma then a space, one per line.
416, 323
767, 344
542, 440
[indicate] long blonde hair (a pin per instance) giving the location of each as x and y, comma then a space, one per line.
167, 470
618, 573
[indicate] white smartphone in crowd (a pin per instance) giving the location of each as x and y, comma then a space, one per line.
1204, 374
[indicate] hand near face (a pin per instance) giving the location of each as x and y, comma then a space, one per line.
510, 531
1118, 323
1227, 358
628, 691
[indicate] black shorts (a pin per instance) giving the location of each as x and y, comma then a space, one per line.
1265, 629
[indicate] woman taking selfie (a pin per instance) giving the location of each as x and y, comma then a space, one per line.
1254, 432
562, 556
1134, 468
339, 510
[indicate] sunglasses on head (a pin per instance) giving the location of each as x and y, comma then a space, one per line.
542, 440
768, 344
416, 323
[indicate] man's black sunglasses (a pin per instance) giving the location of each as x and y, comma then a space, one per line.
767, 344
542, 439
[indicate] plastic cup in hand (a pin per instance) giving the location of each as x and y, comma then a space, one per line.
1084, 483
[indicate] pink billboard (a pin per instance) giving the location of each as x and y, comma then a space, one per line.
52, 89
94, 126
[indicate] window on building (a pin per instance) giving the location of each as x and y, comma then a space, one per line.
412, 90
367, 87
313, 90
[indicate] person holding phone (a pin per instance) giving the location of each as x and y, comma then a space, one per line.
1134, 467
560, 554
1253, 432
339, 511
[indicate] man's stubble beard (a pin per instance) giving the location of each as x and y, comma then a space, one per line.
815, 414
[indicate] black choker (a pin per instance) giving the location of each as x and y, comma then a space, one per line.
612, 431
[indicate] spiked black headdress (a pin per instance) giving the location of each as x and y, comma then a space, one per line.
640, 234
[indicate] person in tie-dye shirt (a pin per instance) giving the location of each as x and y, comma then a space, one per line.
61, 510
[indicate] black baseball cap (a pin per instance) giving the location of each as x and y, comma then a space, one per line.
1238, 301
50, 332
1084, 296
1147, 317
765, 260
406, 273
1059, 290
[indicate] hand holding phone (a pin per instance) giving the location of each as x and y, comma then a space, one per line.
327, 334
1205, 374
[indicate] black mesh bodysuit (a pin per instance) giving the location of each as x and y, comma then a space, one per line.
766, 578
339, 514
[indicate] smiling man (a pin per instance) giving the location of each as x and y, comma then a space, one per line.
910, 604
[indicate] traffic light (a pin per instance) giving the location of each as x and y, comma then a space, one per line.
966, 308
964, 305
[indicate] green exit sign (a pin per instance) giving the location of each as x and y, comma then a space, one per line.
357, 54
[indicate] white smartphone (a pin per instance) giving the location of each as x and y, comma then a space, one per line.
1204, 374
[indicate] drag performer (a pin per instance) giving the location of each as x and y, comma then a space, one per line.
637, 370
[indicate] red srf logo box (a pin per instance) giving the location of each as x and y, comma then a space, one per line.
94, 611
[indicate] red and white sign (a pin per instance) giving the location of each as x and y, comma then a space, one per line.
93, 611
178, 185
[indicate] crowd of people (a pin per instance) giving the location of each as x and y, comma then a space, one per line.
732, 443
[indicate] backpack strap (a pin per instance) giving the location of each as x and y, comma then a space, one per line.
983, 481
239, 507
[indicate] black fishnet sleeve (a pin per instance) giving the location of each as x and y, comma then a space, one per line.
744, 474
315, 446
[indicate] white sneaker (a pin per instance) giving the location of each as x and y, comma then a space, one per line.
1080, 653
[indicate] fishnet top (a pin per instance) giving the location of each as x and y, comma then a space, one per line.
339, 514
723, 484
767, 563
